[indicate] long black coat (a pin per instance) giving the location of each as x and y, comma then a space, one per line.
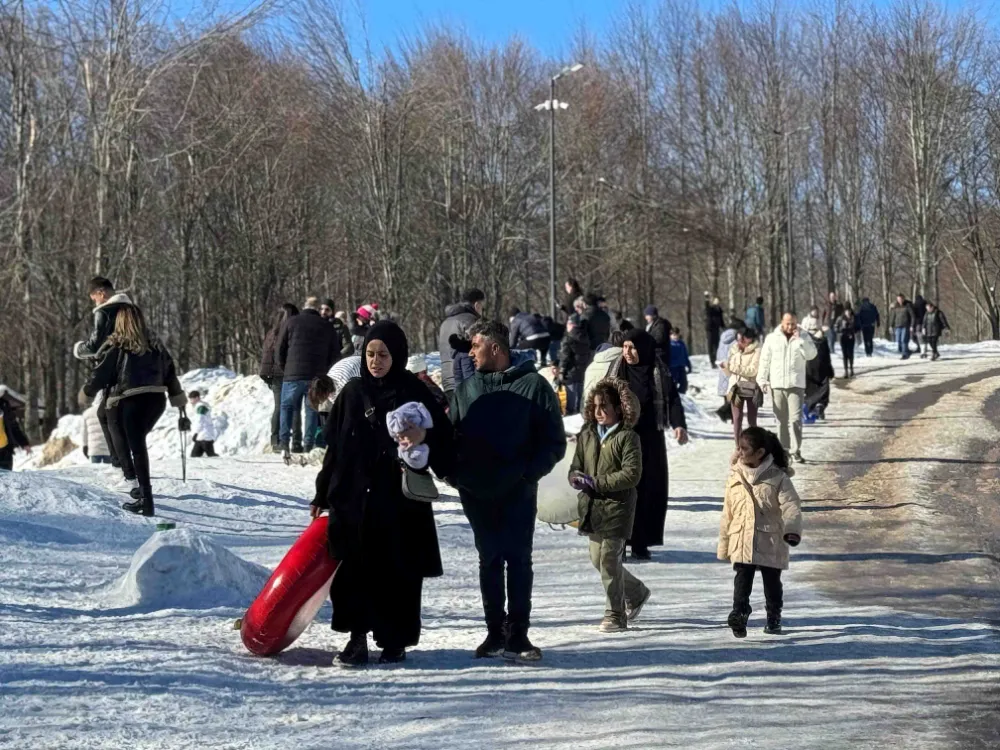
361, 484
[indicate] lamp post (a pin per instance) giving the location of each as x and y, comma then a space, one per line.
790, 257
552, 105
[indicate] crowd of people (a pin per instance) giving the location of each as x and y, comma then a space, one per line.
493, 429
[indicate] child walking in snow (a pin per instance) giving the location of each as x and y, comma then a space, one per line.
204, 427
606, 471
412, 414
761, 518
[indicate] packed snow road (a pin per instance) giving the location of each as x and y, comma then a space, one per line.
890, 613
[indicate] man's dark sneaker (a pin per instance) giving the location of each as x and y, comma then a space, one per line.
519, 648
641, 553
773, 626
631, 613
738, 623
355, 653
298, 449
493, 645
798, 458
392, 656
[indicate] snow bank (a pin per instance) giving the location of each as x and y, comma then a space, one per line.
180, 569
43, 494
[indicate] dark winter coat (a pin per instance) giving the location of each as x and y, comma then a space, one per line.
574, 356
935, 324
457, 322
360, 483
105, 316
868, 316
755, 318
819, 373
509, 432
15, 435
344, 337
901, 316
598, 326
846, 327
919, 310
715, 319
270, 370
121, 374
569, 300
832, 313
616, 466
307, 347
524, 329
660, 329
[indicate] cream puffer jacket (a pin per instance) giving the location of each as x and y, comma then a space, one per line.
742, 365
754, 526
783, 360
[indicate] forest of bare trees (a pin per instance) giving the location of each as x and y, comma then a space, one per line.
217, 167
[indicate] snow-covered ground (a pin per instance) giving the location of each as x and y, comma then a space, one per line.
113, 635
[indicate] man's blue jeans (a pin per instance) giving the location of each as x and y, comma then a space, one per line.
293, 393
903, 341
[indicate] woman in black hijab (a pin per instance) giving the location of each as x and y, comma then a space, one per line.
659, 405
386, 543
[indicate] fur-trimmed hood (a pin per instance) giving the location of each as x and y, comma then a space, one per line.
116, 300
630, 404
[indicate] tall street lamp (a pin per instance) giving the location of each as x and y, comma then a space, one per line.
790, 259
552, 104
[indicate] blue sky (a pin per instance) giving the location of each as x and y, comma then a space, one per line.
548, 24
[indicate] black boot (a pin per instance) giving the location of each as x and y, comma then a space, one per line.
519, 648
144, 505
738, 623
773, 626
494, 644
355, 653
392, 655
640, 553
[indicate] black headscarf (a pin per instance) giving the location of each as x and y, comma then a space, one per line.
641, 378
385, 392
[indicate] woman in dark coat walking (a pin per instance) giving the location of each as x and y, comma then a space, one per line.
659, 405
386, 543
270, 373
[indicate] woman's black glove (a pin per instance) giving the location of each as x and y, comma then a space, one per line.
459, 344
792, 540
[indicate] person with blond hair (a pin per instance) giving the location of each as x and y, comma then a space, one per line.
135, 371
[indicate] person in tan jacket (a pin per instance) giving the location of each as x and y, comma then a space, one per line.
744, 359
761, 518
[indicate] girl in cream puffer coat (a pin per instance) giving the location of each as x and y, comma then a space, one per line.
761, 518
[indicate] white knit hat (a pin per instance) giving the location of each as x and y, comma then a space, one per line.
417, 363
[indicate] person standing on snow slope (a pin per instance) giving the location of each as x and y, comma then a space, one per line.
386, 543
135, 370
510, 434
107, 303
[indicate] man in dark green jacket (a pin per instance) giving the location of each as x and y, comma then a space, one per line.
510, 435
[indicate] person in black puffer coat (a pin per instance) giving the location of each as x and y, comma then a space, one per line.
135, 371
574, 358
307, 348
270, 373
598, 322
11, 435
458, 318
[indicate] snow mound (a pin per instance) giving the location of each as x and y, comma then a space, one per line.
69, 427
43, 494
179, 569
241, 411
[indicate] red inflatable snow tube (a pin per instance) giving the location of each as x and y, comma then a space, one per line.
292, 596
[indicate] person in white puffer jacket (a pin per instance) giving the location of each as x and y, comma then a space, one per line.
783, 371
92, 441
203, 427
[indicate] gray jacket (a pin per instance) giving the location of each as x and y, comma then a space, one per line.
457, 321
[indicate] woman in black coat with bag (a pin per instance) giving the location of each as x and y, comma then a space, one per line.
386, 543
660, 406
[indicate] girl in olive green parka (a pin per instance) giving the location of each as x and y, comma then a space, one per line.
606, 470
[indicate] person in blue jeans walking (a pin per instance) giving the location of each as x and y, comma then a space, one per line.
901, 320
308, 346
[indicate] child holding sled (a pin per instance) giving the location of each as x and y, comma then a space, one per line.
606, 471
761, 518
